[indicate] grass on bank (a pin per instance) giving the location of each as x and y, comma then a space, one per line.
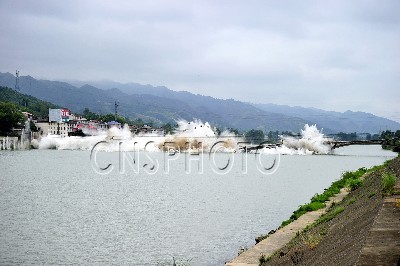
330, 215
352, 180
388, 181
311, 240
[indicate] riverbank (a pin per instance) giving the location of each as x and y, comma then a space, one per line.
339, 235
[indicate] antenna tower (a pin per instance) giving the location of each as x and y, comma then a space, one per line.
116, 110
17, 80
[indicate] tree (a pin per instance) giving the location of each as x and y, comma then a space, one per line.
33, 126
10, 117
106, 117
168, 128
86, 112
391, 140
347, 136
121, 120
387, 134
273, 136
255, 136
90, 115
375, 137
397, 134
138, 122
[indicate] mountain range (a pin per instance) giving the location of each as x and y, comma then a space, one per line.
162, 105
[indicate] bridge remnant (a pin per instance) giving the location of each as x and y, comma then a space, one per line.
337, 143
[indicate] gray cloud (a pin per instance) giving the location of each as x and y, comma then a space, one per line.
336, 55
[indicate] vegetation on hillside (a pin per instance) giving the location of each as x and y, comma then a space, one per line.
104, 117
10, 117
26, 103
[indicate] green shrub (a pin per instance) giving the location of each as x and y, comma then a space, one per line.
388, 182
351, 201
286, 222
353, 184
375, 168
313, 206
320, 198
349, 179
353, 180
296, 214
330, 215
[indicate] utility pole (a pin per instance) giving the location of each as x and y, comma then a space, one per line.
17, 80
116, 110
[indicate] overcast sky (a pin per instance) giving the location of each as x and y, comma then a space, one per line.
335, 55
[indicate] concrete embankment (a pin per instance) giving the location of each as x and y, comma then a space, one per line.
382, 246
281, 237
366, 231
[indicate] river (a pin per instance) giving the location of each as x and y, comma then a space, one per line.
56, 209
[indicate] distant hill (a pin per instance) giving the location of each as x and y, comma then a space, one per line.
332, 122
178, 105
164, 105
346, 122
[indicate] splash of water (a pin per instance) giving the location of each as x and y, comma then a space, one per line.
196, 136
312, 141
189, 136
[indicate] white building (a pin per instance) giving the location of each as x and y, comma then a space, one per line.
59, 115
62, 122
60, 129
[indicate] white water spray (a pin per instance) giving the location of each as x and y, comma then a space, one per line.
312, 141
189, 136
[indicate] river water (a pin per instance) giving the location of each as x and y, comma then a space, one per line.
56, 209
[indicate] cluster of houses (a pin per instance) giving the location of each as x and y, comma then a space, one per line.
63, 123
